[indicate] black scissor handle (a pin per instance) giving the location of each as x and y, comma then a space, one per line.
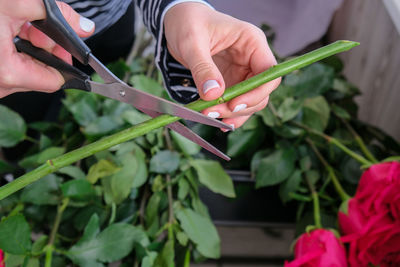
58, 29
74, 78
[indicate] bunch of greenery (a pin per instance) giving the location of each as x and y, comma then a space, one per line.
309, 144
137, 202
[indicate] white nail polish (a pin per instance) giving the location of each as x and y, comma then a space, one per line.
239, 107
86, 24
208, 85
233, 126
213, 114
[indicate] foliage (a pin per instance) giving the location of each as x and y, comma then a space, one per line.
137, 202
297, 139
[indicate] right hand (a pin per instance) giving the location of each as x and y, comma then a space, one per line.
18, 71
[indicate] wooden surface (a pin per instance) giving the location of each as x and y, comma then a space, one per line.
374, 66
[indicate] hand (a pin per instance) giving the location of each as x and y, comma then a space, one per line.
220, 51
19, 72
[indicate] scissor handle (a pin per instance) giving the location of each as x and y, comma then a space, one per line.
58, 29
74, 78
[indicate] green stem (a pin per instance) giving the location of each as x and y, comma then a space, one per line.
32, 140
315, 198
360, 142
272, 73
113, 213
186, 262
335, 142
338, 187
349, 152
57, 221
49, 256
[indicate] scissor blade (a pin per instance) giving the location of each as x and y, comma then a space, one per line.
189, 134
143, 100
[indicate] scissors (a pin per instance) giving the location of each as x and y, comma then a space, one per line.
57, 28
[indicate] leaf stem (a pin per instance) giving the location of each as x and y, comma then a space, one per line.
272, 73
171, 218
335, 142
359, 141
31, 139
315, 198
338, 187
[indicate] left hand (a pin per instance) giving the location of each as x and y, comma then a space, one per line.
220, 51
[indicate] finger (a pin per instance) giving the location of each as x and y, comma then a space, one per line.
223, 111
235, 122
207, 77
252, 98
84, 27
18, 70
261, 59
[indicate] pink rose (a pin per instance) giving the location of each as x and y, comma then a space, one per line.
2, 259
319, 248
372, 225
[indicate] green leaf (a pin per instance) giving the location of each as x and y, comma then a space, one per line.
41, 157
102, 125
5, 167
121, 182
12, 127
144, 83
44, 142
290, 185
15, 235
185, 145
212, 175
182, 238
92, 229
164, 161
39, 244
183, 188
112, 244
340, 112
241, 141
14, 260
311, 81
201, 231
134, 117
289, 109
276, 167
101, 169
148, 261
72, 171
43, 191
316, 113
83, 109
167, 255
78, 189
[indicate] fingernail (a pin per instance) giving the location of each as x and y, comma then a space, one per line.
226, 130
239, 107
213, 114
210, 84
86, 24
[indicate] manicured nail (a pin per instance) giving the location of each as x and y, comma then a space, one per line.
226, 130
86, 24
213, 114
210, 84
239, 107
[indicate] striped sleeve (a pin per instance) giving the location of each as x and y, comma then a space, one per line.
177, 79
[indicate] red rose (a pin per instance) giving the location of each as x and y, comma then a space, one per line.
372, 225
319, 248
2, 259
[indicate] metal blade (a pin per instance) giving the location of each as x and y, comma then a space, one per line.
143, 100
189, 134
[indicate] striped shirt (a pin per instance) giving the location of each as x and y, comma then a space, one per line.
177, 79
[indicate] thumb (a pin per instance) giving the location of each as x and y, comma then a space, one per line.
206, 74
